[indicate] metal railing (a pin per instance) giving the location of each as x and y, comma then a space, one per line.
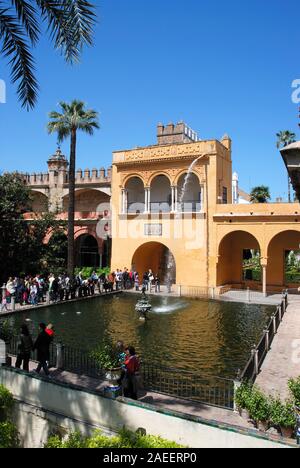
259, 352
209, 390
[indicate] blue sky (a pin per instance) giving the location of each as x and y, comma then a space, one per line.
223, 67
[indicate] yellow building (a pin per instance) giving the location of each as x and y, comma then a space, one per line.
185, 227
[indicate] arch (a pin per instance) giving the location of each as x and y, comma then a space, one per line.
157, 174
189, 192
135, 195
183, 173
234, 250
157, 257
39, 201
87, 200
87, 251
160, 194
133, 176
278, 271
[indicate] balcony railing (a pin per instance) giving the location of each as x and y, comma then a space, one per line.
164, 207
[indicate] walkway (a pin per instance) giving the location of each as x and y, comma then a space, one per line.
256, 297
283, 361
42, 305
156, 399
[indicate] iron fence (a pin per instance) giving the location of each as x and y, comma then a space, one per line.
259, 352
210, 390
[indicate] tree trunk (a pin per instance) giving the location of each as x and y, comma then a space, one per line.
289, 189
71, 208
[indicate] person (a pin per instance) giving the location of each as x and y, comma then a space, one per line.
42, 345
157, 284
137, 281
4, 301
50, 330
25, 346
132, 366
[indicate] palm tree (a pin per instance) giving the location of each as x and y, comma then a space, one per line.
70, 24
73, 118
285, 138
260, 194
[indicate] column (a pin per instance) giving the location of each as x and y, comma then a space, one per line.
123, 201
202, 198
264, 271
173, 199
176, 199
149, 200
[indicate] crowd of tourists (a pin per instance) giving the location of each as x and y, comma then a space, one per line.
33, 290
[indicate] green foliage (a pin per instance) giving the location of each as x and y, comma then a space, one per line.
6, 331
88, 271
21, 241
282, 414
243, 395
8, 435
6, 402
125, 439
106, 355
294, 387
292, 267
260, 194
258, 405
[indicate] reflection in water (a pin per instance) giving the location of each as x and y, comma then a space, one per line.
206, 337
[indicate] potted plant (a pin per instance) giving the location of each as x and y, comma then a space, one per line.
294, 387
242, 398
283, 416
107, 357
260, 409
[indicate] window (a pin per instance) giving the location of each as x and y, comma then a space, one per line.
224, 196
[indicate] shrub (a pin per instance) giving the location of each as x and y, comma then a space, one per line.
88, 271
243, 395
6, 331
8, 435
6, 402
282, 414
125, 439
294, 386
259, 406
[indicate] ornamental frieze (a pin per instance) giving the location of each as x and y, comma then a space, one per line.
166, 152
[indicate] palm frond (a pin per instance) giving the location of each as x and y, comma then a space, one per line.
27, 16
17, 49
70, 23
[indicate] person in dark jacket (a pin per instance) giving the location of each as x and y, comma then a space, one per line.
25, 346
42, 345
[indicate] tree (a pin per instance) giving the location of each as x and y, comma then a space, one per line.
285, 138
22, 242
66, 124
260, 194
70, 24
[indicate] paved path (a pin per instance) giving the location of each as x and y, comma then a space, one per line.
283, 361
156, 399
256, 297
42, 305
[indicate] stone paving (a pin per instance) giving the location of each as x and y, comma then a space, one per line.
155, 399
283, 361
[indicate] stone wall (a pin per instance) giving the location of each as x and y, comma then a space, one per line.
44, 407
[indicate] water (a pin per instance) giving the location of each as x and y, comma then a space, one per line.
204, 336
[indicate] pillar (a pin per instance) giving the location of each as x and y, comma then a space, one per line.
123, 201
176, 199
147, 200
263, 262
173, 199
